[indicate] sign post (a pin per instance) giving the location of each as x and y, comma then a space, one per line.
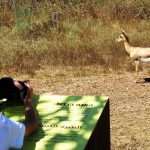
68, 123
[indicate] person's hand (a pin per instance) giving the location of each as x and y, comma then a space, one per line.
29, 97
30, 91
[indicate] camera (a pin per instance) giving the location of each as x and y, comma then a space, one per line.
11, 93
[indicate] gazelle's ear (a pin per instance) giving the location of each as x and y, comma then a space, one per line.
123, 32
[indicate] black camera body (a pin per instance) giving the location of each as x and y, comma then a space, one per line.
11, 93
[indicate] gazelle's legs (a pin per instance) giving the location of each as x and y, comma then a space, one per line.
137, 69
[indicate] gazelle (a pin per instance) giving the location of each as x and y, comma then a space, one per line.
138, 54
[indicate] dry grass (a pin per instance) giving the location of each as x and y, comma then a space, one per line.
83, 37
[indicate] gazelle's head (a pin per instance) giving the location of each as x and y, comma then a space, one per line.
123, 37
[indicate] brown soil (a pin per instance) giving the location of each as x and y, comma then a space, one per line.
129, 104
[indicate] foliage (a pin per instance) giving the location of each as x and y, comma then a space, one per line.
84, 34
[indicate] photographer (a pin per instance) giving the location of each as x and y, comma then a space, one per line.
12, 133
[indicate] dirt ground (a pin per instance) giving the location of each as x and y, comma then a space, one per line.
129, 104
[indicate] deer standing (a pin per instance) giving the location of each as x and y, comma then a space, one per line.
138, 54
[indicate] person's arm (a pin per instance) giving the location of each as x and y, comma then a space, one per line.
31, 121
31, 118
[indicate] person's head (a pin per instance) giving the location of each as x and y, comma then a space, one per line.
8, 90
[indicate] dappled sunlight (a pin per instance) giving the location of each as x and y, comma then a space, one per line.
15, 113
71, 145
65, 122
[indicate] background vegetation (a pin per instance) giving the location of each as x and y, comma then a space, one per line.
82, 38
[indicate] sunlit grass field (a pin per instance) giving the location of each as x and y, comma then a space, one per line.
83, 39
